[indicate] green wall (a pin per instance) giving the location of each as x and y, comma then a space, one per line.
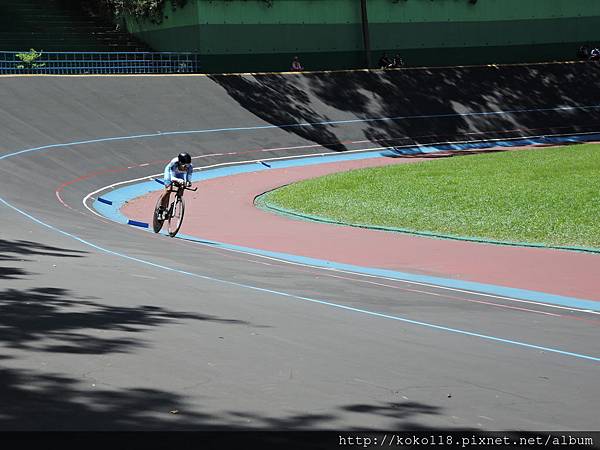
251, 35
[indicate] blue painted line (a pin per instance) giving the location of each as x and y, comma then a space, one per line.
311, 300
70, 144
97, 204
118, 199
121, 195
102, 200
304, 124
503, 291
425, 149
158, 180
135, 223
110, 211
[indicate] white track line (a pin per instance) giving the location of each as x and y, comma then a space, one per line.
464, 291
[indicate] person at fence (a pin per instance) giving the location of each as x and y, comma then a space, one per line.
177, 171
583, 52
398, 62
296, 65
385, 62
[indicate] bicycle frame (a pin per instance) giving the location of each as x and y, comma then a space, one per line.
179, 191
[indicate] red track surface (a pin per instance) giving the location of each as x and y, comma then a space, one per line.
222, 210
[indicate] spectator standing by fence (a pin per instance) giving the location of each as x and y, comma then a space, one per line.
398, 61
385, 62
583, 52
296, 65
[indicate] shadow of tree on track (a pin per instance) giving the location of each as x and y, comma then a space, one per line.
33, 318
19, 250
51, 320
469, 103
11, 250
11, 273
36, 401
281, 101
425, 106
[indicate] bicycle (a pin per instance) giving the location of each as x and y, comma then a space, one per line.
174, 213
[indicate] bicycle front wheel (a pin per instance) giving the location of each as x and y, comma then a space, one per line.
176, 217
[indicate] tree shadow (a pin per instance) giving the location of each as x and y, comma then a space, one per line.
11, 273
18, 250
10, 249
469, 103
282, 101
34, 401
396, 410
425, 106
52, 320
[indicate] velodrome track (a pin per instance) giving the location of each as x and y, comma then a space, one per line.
106, 327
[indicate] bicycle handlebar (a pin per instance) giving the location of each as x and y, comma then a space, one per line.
176, 186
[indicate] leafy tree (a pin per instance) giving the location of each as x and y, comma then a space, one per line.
152, 9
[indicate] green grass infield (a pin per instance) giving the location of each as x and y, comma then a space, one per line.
540, 196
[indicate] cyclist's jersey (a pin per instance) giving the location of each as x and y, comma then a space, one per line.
172, 171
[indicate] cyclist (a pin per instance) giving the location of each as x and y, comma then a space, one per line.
178, 171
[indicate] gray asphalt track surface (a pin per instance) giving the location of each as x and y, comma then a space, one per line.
94, 340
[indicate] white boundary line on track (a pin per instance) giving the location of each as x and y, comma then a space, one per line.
418, 283
308, 155
538, 348
230, 163
150, 177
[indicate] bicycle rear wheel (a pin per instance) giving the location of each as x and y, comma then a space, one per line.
156, 222
176, 216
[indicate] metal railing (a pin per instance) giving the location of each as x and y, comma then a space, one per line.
77, 63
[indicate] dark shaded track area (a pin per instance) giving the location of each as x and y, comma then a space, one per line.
91, 338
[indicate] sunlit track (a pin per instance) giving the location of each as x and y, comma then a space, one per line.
317, 269
106, 188
359, 278
137, 325
324, 302
121, 169
320, 301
